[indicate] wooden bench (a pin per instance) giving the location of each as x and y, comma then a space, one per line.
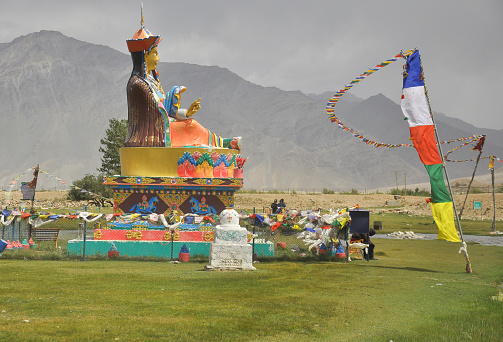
45, 234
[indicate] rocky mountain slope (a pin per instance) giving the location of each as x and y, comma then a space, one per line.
59, 93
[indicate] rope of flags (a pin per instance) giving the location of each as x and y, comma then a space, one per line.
8, 216
337, 96
16, 179
37, 220
471, 140
473, 160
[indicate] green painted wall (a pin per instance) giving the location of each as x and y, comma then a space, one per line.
152, 248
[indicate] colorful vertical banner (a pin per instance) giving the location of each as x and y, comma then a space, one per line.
422, 131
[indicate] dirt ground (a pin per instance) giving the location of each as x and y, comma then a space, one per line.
376, 203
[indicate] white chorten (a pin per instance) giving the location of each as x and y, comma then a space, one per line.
230, 250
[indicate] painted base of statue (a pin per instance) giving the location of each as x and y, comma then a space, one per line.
184, 162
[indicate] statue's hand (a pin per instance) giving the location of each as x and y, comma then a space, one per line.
194, 107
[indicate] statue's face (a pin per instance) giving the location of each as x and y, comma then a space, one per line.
151, 59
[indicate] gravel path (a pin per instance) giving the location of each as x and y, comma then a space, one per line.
494, 240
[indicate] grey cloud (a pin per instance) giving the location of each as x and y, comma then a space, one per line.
295, 45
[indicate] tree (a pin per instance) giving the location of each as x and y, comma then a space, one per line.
115, 136
91, 189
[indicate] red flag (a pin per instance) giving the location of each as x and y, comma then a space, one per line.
480, 144
28, 189
33, 183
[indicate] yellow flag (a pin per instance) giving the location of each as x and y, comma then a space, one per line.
443, 216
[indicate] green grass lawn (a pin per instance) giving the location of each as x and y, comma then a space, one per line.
417, 291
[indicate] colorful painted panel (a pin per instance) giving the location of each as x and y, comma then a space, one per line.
201, 202
152, 235
174, 182
202, 205
143, 204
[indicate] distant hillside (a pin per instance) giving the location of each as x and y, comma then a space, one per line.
59, 93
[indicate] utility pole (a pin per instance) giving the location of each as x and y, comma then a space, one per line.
405, 174
396, 177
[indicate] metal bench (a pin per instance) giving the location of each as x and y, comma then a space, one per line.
45, 234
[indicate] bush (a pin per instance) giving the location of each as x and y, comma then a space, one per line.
352, 192
92, 189
409, 192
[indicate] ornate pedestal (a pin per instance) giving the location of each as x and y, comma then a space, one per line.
159, 195
189, 180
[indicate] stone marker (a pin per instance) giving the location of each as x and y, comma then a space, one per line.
230, 250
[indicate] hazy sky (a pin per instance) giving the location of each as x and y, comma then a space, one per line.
312, 46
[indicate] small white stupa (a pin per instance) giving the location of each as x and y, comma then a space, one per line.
230, 250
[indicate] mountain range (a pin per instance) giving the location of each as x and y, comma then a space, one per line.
58, 95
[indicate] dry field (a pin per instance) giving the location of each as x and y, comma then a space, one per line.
375, 202
415, 205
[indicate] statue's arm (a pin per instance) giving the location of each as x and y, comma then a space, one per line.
172, 104
194, 107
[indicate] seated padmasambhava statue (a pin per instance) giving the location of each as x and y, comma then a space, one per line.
155, 117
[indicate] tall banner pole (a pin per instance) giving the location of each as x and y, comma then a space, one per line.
479, 146
33, 184
464, 247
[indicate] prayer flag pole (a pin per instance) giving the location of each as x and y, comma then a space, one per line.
479, 147
33, 184
464, 247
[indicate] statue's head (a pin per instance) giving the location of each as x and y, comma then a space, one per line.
151, 59
143, 48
